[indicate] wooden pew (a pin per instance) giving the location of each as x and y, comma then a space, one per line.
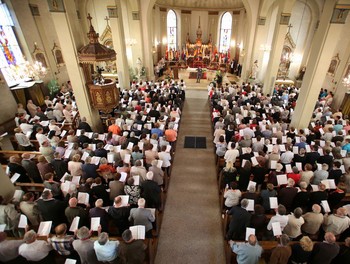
6, 154
31, 187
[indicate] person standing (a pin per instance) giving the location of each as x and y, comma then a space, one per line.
199, 74
247, 252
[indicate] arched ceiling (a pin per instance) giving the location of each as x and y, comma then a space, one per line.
201, 4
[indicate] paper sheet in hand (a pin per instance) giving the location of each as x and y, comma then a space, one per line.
70, 261
138, 232
63, 133
250, 206
136, 179
295, 150
314, 187
127, 158
289, 168
17, 196
110, 157
249, 231
251, 183
282, 179
23, 221
254, 161
140, 144
95, 222
84, 156
44, 228
125, 200
76, 180
92, 147
282, 147
325, 206
15, 177
276, 229
299, 165
273, 164
130, 146
75, 224
123, 176
67, 153
95, 160
2, 227
83, 198
159, 164
168, 148
273, 202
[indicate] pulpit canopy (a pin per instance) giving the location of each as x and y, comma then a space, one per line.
95, 51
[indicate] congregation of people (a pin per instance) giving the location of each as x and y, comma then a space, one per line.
87, 174
278, 182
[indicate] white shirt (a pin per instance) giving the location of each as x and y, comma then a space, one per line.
282, 219
287, 157
231, 155
35, 251
166, 158
26, 128
41, 138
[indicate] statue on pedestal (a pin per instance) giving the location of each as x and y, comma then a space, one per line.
255, 69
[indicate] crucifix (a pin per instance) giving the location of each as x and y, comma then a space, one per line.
289, 27
107, 20
89, 18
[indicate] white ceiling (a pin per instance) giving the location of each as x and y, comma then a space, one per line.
201, 4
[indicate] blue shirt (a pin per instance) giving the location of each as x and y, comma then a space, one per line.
346, 147
106, 252
246, 253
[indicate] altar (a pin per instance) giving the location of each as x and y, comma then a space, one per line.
199, 54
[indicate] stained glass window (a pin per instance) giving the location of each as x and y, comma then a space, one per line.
171, 30
10, 53
225, 32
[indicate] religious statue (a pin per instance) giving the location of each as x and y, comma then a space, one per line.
301, 73
139, 66
255, 69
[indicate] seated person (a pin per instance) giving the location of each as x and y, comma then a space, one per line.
33, 249
142, 216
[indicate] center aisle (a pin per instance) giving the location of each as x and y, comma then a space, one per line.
191, 227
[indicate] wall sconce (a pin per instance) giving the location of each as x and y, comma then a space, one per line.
165, 41
233, 43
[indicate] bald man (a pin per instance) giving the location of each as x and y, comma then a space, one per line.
247, 252
324, 252
74, 210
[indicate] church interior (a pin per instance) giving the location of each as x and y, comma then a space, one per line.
105, 58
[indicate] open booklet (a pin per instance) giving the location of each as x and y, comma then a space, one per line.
44, 228
138, 231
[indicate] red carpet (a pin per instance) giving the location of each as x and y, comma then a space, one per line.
193, 75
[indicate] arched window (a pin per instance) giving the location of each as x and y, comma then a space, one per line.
225, 32
11, 57
171, 30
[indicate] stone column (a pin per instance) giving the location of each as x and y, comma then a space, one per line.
146, 7
322, 50
63, 26
283, 16
118, 36
7, 188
